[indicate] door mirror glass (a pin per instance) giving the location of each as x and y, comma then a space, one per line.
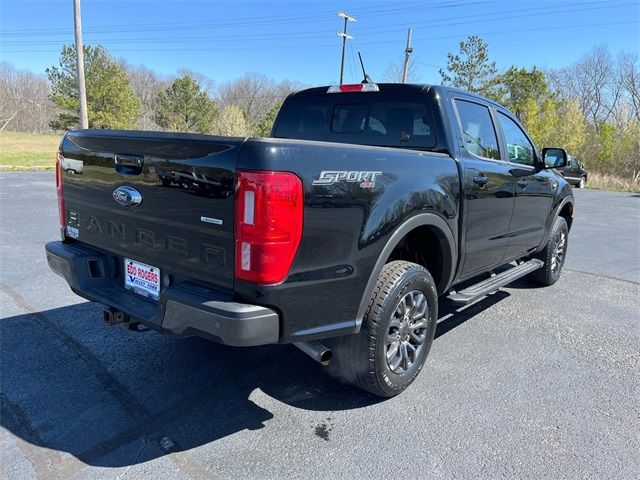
555, 157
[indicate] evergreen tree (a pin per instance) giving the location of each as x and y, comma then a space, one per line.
185, 107
470, 68
110, 100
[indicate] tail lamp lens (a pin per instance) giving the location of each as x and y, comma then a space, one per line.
61, 210
268, 215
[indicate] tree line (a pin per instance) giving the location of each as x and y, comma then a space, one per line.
591, 108
124, 96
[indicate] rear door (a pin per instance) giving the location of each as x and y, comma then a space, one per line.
183, 223
533, 188
488, 187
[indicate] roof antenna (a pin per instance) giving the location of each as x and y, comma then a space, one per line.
367, 78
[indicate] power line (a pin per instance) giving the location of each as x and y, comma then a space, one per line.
291, 18
434, 23
327, 46
275, 19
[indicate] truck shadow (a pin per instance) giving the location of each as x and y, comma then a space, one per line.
115, 398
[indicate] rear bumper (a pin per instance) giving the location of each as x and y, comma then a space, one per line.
185, 309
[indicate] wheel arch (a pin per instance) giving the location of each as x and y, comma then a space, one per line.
417, 225
565, 210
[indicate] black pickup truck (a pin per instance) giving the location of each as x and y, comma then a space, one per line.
339, 234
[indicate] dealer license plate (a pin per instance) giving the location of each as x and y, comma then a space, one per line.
142, 278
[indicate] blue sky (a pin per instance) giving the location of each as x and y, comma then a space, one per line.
297, 39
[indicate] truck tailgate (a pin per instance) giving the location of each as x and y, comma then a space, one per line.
183, 223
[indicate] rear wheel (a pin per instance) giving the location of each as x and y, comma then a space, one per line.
396, 335
583, 182
553, 255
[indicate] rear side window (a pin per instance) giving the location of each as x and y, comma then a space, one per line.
478, 132
366, 119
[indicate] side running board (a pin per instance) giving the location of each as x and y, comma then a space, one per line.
490, 285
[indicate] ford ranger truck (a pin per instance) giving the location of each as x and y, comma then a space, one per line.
340, 233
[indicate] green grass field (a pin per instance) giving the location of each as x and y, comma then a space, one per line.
28, 151
33, 151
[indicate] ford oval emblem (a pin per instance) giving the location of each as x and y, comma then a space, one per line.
127, 196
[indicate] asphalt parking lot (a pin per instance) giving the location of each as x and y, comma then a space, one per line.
527, 383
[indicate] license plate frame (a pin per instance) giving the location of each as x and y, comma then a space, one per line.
142, 278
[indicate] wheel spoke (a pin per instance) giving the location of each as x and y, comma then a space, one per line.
417, 337
393, 350
402, 307
404, 354
395, 361
412, 354
413, 296
392, 337
421, 323
420, 313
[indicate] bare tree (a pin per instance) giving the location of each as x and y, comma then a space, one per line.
255, 94
393, 72
146, 85
629, 73
592, 82
24, 101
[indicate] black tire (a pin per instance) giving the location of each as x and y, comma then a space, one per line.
361, 359
553, 255
583, 182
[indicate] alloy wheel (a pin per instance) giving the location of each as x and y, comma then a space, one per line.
407, 331
559, 249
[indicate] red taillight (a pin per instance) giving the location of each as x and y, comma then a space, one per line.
61, 211
268, 225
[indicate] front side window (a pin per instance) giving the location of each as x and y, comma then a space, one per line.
520, 149
478, 132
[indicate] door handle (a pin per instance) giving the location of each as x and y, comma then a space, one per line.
128, 160
522, 183
128, 164
480, 180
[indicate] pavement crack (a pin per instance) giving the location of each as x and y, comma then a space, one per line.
600, 275
157, 421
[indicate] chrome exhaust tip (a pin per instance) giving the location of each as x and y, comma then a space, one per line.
316, 350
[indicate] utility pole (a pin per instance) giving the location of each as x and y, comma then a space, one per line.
345, 37
407, 52
82, 92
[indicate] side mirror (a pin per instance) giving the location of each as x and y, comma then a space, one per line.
555, 157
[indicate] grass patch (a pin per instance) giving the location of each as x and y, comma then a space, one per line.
603, 181
34, 151
28, 151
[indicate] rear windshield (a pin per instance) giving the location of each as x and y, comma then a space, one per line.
380, 119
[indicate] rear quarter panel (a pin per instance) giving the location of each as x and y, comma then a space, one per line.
346, 224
